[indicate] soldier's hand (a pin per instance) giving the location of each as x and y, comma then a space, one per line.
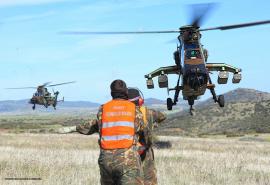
66, 130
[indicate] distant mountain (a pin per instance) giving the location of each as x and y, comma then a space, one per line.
78, 107
240, 95
246, 95
245, 111
13, 105
23, 107
154, 101
80, 104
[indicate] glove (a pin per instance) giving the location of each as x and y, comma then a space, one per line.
66, 130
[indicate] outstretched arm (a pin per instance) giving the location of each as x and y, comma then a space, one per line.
88, 128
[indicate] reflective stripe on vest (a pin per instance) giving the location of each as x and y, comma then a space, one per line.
117, 129
118, 123
114, 138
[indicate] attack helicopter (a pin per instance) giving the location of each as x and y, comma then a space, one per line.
191, 60
43, 97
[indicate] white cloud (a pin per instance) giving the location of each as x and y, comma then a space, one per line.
27, 2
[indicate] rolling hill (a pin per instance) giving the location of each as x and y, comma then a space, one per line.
246, 111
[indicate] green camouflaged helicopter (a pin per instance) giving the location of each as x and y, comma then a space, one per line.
43, 97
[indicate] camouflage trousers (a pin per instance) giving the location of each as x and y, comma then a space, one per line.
120, 167
149, 169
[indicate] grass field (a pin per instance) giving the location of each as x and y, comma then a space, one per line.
40, 123
72, 159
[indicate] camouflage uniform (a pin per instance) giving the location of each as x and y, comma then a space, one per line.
145, 135
117, 166
146, 138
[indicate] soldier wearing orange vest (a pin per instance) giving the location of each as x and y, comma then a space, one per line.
118, 122
144, 146
145, 143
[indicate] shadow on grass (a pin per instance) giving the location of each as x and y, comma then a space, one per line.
162, 144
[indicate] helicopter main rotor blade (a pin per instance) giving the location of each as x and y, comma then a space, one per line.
61, 84
235, 26
200, 12
45, 84
117, 32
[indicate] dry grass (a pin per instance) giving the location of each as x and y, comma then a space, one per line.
72, 159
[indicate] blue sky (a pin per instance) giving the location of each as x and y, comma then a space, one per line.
33, 52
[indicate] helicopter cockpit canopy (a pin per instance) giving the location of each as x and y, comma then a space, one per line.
193, 54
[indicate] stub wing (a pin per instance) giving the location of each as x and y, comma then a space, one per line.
222, 67
162, 71
224, 70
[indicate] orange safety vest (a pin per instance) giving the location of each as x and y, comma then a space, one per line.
117, 129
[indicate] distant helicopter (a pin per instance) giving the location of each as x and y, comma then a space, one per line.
43, 97
191, 64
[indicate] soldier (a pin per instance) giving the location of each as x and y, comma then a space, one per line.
117, 122
145, 144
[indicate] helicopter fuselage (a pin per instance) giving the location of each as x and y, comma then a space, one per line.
45, 100
194, 71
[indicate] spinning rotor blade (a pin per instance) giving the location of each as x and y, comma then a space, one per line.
61, 84
200, 12
45, 84
235, 26
117, 32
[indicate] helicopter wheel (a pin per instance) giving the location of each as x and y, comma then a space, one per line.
34, 107
169, 103
221, 101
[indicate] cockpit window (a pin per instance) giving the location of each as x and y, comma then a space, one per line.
193, 54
